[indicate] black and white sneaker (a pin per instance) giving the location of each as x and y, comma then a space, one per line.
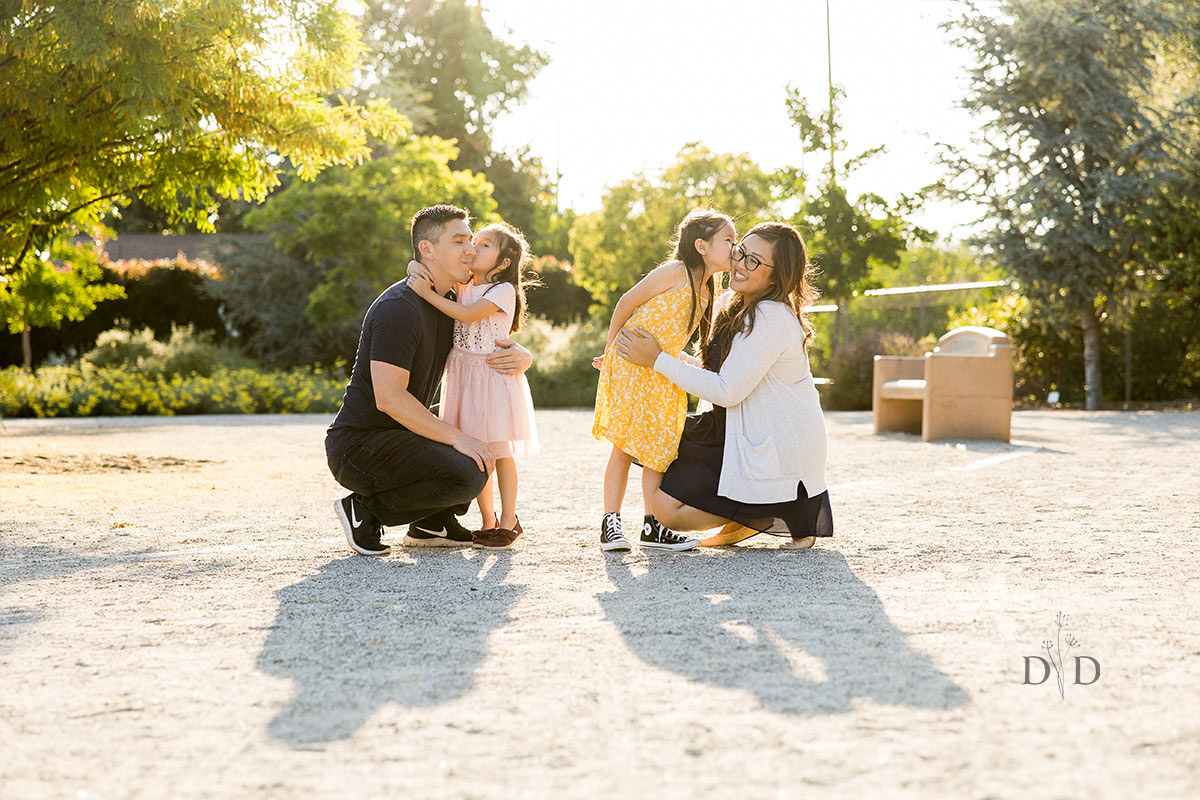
443, 531
362, 530
612, 537
655, 535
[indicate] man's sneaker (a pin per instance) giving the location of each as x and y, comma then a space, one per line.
656, 536
612, 537
444, 532
362, 530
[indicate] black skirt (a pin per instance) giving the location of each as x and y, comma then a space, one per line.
694, 475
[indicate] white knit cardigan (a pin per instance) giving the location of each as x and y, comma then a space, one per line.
775, 432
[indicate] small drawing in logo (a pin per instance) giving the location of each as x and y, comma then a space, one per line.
1053, 647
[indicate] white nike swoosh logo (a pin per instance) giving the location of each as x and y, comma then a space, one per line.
354, 521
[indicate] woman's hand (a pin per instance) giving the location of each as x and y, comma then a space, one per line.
509, 358
598, 362
638, 345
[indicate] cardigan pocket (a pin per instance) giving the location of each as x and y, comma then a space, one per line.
759, 461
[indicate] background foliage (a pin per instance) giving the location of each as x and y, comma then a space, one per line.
205, 119
1074, 148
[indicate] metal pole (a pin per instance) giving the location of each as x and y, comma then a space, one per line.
829, 65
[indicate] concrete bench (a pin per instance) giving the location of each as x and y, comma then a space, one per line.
962, 390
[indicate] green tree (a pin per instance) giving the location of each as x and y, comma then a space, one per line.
176, 104
440, 63
938, 262
850, 237
445, 68
557, 298
1172, 224
614, 247
1070, 150
346, 237
61, 284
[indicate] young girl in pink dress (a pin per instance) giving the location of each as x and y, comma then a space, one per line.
477, 399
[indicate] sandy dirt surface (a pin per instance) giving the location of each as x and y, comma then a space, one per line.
180, 617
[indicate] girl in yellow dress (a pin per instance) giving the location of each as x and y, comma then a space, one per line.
638, 410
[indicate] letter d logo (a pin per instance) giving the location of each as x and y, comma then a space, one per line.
1095, 665
1045, 670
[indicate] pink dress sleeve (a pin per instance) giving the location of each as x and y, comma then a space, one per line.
504, 295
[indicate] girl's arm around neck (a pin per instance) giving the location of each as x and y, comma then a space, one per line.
661, 279
476, 311
472, 313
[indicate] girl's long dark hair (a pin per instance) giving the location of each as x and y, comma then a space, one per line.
512, 246
700, 223
793, 274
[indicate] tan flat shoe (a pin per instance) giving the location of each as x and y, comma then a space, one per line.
799, 544
730, 534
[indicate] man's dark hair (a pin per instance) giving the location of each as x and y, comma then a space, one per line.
427, 224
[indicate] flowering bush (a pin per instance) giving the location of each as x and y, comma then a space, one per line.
118, 391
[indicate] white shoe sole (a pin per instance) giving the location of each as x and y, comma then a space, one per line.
688, 545
611, 546
434, 541
349, 529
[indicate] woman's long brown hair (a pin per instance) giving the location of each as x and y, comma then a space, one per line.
793, 274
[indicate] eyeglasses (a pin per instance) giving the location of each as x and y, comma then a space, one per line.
753, 262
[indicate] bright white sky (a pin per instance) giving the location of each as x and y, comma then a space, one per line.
631, 81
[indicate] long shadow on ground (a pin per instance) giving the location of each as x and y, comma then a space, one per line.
364, 632
798, 630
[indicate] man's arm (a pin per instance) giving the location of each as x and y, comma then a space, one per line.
393, 398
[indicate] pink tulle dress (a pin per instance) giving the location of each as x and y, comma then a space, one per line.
476, 399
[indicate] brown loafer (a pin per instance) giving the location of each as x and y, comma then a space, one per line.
498, 538
482, 533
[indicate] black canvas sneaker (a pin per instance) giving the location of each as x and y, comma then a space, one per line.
612, 537
656, 536
432, 532
362, 530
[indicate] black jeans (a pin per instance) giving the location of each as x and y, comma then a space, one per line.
402, 477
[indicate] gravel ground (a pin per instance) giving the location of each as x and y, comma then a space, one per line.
179, 616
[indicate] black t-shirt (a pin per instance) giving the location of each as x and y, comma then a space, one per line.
399, 329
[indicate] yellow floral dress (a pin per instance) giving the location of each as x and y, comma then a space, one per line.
638, 410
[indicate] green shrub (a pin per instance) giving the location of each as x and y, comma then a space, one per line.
186, 352
562, 372
122, 348
86, 390
190, 351
852, 367
1048, 354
